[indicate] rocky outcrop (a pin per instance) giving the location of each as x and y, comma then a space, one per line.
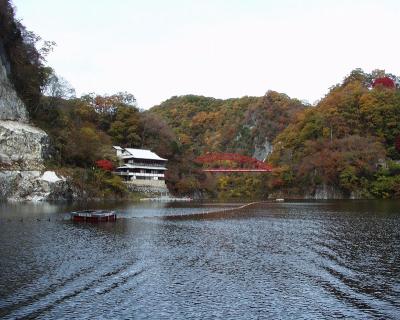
320, 192
23, 149
22, 146
34, 186
326, 192
262, 151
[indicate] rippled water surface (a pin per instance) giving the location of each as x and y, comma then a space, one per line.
318, 260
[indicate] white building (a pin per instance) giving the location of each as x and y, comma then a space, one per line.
140, 164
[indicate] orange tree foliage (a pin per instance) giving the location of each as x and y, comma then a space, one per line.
344, 141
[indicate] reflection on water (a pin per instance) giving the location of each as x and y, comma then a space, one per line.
288, 260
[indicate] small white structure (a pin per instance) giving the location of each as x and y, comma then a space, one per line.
140, 164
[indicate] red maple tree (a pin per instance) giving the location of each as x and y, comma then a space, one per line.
105, 165
384, 81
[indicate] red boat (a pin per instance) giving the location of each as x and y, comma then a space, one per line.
94, 216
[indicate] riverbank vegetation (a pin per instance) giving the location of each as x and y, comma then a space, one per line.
348, 141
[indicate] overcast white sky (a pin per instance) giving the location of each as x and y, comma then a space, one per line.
156, 49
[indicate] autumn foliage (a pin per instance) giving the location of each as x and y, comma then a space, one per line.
348, 142
385, 82
105, 165
239, 125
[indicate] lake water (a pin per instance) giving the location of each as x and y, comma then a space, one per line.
299, 260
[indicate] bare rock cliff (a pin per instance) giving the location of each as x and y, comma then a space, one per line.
11, 106
22, 146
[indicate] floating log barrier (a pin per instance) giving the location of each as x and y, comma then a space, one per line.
214, 214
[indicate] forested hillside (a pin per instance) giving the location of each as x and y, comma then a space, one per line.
234, 125
348, 144
245, 126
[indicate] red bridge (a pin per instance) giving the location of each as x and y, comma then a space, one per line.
252, 165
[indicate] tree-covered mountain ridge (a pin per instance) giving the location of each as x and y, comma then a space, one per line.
242, 125
346, 146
